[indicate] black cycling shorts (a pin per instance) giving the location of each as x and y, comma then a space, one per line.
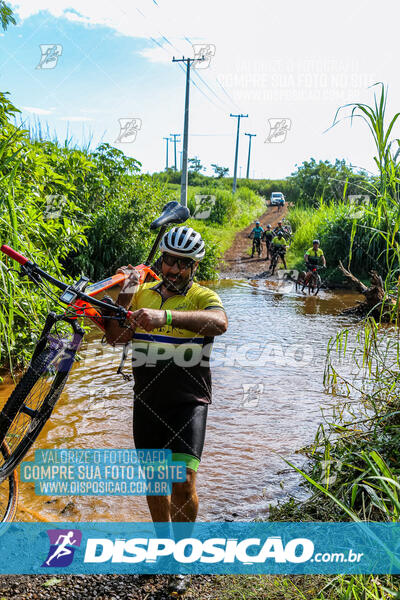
180, 428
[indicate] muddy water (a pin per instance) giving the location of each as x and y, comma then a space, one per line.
266, 404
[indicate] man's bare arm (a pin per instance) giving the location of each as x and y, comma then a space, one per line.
207, 322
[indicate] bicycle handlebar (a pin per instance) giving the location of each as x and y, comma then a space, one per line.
14, 254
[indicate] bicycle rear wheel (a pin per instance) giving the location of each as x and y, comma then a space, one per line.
32, 401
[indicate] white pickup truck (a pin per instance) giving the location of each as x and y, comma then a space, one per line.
277, 198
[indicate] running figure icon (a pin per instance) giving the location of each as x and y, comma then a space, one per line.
62, 549
63, 543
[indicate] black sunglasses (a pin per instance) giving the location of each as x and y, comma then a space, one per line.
183, 263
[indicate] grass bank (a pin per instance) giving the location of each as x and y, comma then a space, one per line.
355, 235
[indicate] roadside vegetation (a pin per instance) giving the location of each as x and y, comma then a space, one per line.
352, 470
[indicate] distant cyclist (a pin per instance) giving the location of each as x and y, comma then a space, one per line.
278, 228
268, 237
313, 257
256, 234
278, 247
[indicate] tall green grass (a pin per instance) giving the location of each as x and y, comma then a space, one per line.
353, 466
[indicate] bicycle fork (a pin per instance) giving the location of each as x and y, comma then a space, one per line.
73, 347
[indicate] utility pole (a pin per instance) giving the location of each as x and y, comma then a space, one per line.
248, 158
184, 176
238, 117
180, 152
166, 161
175, 135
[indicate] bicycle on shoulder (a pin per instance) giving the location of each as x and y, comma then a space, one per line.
32, 402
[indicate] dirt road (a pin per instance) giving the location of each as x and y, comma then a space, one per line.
236, 262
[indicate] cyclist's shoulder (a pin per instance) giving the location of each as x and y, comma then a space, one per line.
312, 251
147, 287
203, 296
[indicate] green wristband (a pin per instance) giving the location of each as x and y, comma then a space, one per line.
169, 317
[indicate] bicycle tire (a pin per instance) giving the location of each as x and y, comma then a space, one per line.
8, 492
20, 422
318, 284
312, 285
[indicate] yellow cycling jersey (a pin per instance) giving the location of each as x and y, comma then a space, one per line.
279, 242
197, 297
314, 253
170, 359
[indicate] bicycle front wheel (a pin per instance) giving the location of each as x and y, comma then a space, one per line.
8, 491
317, 284
32, 401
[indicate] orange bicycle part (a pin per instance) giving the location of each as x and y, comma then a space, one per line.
83, 308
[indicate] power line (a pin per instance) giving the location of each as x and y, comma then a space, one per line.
204, 82
226, 93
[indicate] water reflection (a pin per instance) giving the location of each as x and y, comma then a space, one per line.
265, 406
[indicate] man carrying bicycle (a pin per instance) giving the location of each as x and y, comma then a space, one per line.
256, 234
313, 256
172, 394
278, 250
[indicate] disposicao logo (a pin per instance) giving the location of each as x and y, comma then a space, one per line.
190, 550
63, 543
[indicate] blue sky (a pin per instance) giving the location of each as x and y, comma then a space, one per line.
297, 61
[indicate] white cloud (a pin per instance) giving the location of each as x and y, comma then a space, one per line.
157, 55
76, 119
297, 60
37, 111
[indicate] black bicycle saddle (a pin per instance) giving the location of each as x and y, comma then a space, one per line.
173, 212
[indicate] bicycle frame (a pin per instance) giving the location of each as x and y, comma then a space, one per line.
85, 302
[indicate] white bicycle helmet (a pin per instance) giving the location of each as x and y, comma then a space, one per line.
184, 242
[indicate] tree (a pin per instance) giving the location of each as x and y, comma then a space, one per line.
331, 181
195, 165
220, 171
6, 15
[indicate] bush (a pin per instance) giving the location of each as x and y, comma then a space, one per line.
119, 233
